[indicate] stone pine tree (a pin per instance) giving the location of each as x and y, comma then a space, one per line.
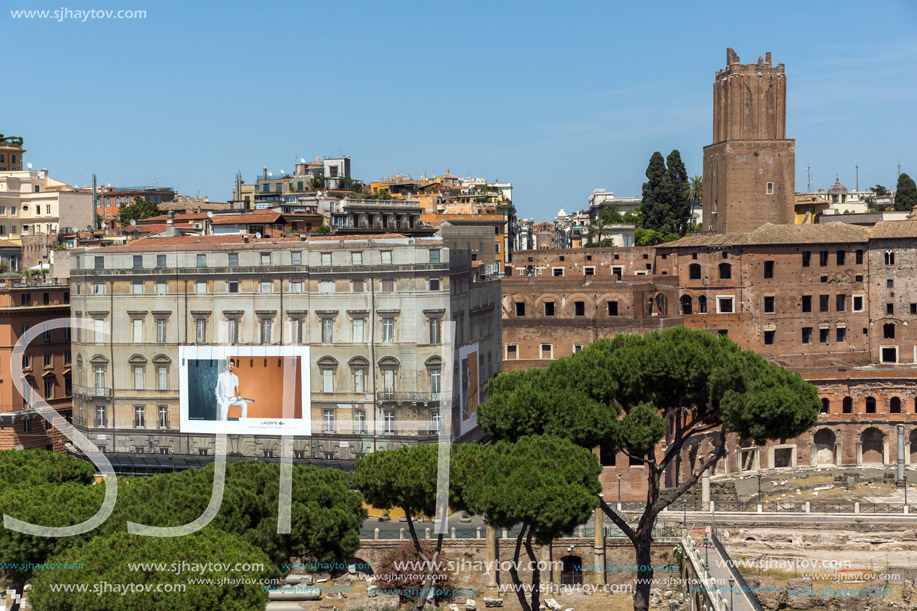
547, 484
633, 393
905, 193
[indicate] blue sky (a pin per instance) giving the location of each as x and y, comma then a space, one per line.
559, 99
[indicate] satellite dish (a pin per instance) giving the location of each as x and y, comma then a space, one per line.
282, 172
107, 217
89, 227
210, 214
270, 174
133, 222
302, 160
29, 165
108, 185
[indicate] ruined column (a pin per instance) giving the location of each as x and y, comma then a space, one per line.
838, 454
547, 556
598, 567
705, 488
859, 453
490, 558
899, 476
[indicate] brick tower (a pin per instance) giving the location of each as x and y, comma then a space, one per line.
750, 169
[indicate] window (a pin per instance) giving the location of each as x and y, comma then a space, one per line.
26, 361
204, 451
49, 388
100, 262
694, 271
388, 381
138, 417
824, 335
163, 417
841, 335
557, 271
702, 305
138, 377
386, 257
589, 271
840, 303
520, 308
807, 335
388, 329
889, 284
870, 405
806, 258
770, 188
612, 308
389, 418
825, 404
841, 255
388, 285
161, 330
47, 359
137, 325
888, 331
327, 379
160, 288
725, 271
549, 308
99, 330
47, 336
894, 405
824, 303
889, 257
434, 330
357, 330
296, 328
267, 286
232, 286
232, 328
359, 380
200, 330
725, 305
327, 329
434, 284
822, 258
202, 260
889, 308
434, 255
806, 303
265, 258
769, 307
328, 421
512, 352
98, 288
296, 257
162, 377
138, 261
326, 259
858, 303
266, 330
547, 351
233, 259
889, 354
296, 286
914, 308
359, 421
160, 261
356, 258
137, 288
434, 424
769, 338
579, 308
847, 405
768, 269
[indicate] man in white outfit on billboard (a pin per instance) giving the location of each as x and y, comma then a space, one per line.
227, 392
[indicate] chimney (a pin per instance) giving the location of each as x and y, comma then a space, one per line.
264, 173
767, 58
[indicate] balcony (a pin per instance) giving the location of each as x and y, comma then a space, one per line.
94, 392
407, 397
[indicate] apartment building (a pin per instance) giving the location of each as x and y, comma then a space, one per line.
32, 203
46, 364
370, 308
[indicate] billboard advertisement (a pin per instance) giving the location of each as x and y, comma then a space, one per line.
244, 390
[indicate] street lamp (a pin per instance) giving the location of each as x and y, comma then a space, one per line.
731, 584
684, 516
707, 552
759, 487
619, 491
905, 489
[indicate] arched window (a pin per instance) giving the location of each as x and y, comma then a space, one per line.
848, 405
702, 305
694, 271
824, 405
870, 405
894, 405
725, 271
686, 304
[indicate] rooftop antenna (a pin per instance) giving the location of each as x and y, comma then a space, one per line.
808, 178
858, 178
899, 168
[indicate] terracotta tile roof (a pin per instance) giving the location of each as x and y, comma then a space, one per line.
182, 205
162, 218
894, 229
8, 244
248, 218
767, 234
346, 237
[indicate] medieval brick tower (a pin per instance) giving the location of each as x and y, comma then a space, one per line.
750, 169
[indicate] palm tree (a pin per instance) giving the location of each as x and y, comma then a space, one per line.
598, 231
694, 191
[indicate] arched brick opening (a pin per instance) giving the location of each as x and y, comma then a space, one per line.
823, 446
571, 573
873, 445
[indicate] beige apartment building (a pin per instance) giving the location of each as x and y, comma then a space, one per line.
32, 203
370, 308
